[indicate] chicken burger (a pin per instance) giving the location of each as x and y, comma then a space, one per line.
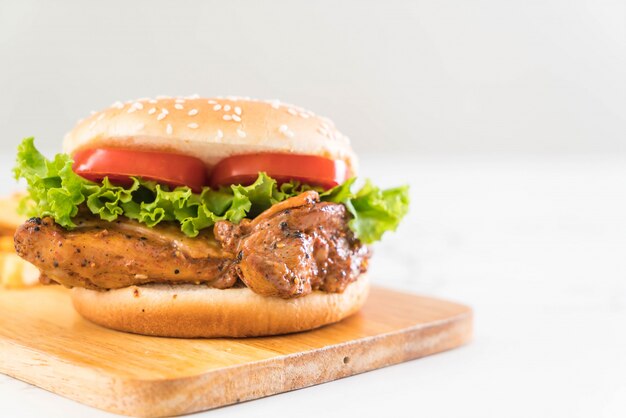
204, 217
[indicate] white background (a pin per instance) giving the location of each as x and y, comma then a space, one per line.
507, 118
449, 76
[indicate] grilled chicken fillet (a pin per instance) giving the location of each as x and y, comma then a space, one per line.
291, 249
110, 255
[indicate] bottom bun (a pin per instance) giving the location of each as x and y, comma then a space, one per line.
191, 311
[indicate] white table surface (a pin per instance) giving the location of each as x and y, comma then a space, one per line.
536, 245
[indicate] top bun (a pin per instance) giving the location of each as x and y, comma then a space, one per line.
211, 129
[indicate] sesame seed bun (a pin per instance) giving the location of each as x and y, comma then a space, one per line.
211, 129
191, 311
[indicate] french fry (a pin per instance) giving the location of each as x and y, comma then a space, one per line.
6, 244
15, 272
9, 218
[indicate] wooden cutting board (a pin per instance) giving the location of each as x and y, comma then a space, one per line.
44, 342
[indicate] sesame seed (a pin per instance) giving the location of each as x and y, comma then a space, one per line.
168, 129
139, 126
193, 125
152, 111
165, 111
236, 118
304, 115
241, 133
227, 117
226, 108
118, 105
153, 101
220, 134
179, 101
284, 129
178, 106
275, 104
194, 96
92, 124
93, 112
292, 111
131, 109
138, 105
161, 116
100, 116
193, 112
217, 107
211, 102
238, 110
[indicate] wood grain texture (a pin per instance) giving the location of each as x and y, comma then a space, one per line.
43, 341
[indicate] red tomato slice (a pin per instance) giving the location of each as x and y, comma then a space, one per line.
120, 164
313, 170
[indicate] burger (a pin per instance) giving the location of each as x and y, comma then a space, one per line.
204, 217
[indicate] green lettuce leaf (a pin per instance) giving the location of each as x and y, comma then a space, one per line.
374, 211
55, 190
